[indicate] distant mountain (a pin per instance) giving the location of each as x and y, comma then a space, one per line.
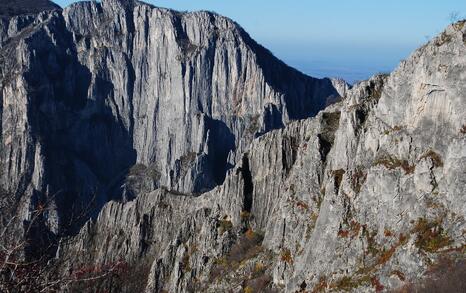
18, 7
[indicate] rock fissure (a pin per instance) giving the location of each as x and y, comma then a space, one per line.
248, 185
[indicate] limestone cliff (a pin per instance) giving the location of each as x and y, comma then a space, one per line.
108, 100
363, 197
211, 166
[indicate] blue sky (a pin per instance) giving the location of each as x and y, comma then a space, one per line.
349, 38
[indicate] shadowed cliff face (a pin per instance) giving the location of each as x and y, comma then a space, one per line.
105, 101
18, 7
363, 197
175, 132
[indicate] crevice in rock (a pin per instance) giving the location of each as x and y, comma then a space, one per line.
283, 233
144, 232
361, 115
289, 153
131, 84
221, 142
329, 125
248, 186
188, 49
303, 286
324, 148
338, 178
271, 120
375, 87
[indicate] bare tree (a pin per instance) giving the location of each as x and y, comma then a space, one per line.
454, 16
18, 273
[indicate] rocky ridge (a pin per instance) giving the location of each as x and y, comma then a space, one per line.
363, 197
104, 101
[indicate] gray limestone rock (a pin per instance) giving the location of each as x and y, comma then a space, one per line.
104, 101
210, 166
342, 200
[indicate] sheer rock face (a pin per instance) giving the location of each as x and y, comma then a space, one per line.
150, 107
106, 101
363, 197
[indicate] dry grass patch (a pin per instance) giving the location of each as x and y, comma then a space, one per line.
430, 236
446, 276
286, 256
394, 163
436, 159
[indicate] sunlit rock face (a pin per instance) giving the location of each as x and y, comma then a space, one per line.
105, 101
210, 166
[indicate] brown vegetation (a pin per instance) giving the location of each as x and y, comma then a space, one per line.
248, 246
436, 159
224, 225
245, 215
24, 268
443, 39
338, 177
459, 25
321, 286
358, 179
286, 256
302, 205
448, 275
393, 163
430, 235
399, 274
258, 284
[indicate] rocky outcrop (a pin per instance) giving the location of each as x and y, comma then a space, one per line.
104, 101
210, 166
364, 197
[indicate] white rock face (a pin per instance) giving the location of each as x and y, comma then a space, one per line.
362, 197
105, 101
343, 200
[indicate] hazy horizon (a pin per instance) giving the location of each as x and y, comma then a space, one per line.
352, 40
